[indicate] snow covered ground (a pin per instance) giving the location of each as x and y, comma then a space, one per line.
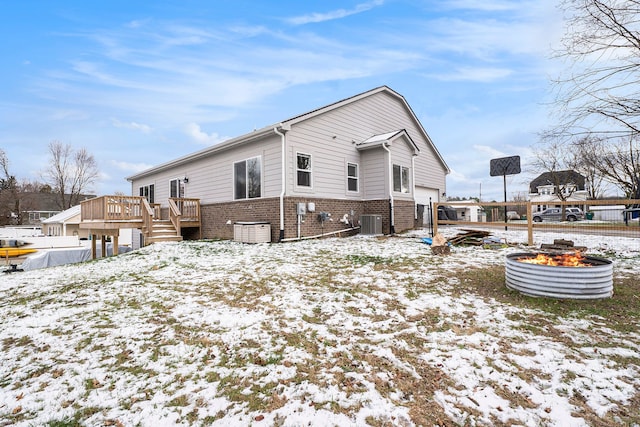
351, 331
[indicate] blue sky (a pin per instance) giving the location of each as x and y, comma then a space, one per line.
142, 82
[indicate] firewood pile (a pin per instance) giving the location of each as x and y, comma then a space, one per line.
562, 245
442, 246
470, 238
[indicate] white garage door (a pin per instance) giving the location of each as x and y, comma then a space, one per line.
422, 197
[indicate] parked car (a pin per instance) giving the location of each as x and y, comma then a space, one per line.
511, 215
554, 214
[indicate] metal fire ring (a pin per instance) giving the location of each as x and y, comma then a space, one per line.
591, 282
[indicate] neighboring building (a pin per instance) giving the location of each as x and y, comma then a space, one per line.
67, 224
608, 212
34, 207
312, 174
465, 212
544, 190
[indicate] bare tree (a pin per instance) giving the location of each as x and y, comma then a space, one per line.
70, 173
10, 209
598, 93
586, 151
554, 158
559, 162
618, 162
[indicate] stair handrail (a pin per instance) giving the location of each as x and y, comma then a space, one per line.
175, 215
147, 218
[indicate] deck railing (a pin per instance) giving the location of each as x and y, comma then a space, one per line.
189, 208
147, 218
112, 208
175, 214
135, 209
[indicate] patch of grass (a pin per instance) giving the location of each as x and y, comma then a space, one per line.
620, 312
23, 341
368, 259
91, 384
84, 413
182, 400
67, 422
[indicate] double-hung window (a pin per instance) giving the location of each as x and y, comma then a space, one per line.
400, 179
247, 179
352, 177
303, 169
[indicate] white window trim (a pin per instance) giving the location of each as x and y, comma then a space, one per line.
408, 174
310, 171
357, 178
233, 174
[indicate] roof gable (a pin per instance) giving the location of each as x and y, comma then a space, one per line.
387, 139
63, 216
285, 125
366, 94
559, 177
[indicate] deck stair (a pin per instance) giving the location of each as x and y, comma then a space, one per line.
162, 231
107, 215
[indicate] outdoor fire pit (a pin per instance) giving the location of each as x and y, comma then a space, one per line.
560, 275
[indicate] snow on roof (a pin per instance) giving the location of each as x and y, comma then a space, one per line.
63, 216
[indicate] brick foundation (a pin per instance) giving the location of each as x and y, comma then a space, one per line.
404, 211
312, 225
345, 214
218, 218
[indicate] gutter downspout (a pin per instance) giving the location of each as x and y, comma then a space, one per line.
392, 225
413, 185
283, 153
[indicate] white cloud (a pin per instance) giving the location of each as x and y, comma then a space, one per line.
489, 150
484, 5
137, 23
335, 14
196, 133
457, 176
132, 125
131, 167
480, 74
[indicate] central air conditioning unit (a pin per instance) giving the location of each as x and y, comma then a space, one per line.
371, 224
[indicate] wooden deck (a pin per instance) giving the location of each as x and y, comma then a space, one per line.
106, 215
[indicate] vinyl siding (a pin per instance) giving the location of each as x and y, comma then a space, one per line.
401, 154
331, 139
374, 174
211, 178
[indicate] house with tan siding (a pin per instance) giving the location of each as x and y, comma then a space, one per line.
314, 174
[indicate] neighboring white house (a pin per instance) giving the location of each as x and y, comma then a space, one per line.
467, 212
314, 173
67, 223
544, 190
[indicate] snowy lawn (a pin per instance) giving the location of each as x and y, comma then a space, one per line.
352, 331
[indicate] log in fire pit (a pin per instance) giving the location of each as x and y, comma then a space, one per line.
560, 275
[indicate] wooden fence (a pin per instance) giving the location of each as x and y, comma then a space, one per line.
492, 214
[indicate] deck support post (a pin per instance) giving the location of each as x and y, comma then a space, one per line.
103, 245
93, 246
